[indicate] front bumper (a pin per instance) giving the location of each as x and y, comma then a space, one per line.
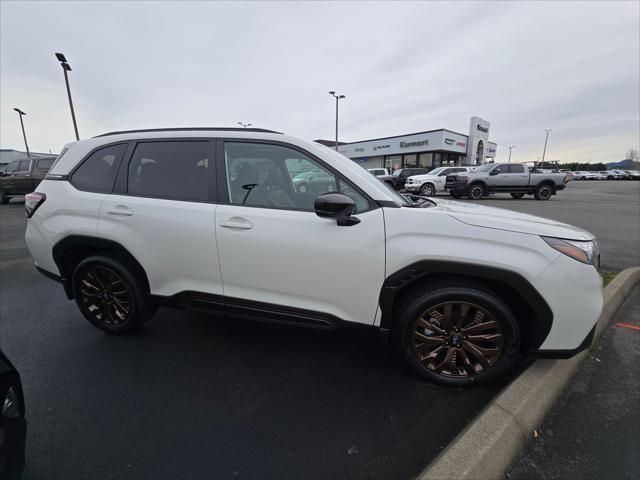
456, 187
411, 187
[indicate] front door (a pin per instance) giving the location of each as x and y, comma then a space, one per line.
279, 260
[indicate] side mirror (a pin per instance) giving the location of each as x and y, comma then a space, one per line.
337, 206
495, 171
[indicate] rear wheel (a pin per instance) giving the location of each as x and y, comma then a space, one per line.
110, 295
517, 195
476, 191
543, 192
427, 190
457, 335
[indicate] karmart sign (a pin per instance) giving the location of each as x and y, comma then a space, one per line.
419, 143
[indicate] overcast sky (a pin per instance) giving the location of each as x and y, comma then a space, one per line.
404, 67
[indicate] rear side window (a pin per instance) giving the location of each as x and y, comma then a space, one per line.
24, 165
44, 164
172, 170
516, 168
98, 172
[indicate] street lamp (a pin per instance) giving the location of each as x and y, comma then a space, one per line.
244, 125
545, 144
24, 135
67, 68
338, 98
510, 148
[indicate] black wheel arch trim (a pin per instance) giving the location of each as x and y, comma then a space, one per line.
398, 281
63, 246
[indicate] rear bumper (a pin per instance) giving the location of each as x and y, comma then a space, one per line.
57, 278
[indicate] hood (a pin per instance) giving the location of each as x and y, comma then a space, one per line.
503, 219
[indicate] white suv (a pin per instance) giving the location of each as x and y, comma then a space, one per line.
210, 220
433, 182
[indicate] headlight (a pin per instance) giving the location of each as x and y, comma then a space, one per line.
586, 252
11, 407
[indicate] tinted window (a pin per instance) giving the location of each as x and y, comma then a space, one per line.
516, 168
98, 172
173, 170
500, 169
12, 167
263, 175
44, 164
446, 171
24, 165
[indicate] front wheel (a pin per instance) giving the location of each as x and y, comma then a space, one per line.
476, 191
517, 195
427, 190
543, 192
458, 335
110, 295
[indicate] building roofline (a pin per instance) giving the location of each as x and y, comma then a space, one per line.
407, 135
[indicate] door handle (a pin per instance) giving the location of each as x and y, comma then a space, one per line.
122, 210
237, 222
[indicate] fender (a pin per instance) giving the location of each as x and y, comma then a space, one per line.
522, 293
92, 245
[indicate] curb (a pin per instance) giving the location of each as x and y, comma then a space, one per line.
487, 447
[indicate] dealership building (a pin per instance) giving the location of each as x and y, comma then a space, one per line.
430, 149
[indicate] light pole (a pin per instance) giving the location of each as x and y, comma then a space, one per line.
244, 125
338, 98
545, 145
67, 68
24, 135
510, 148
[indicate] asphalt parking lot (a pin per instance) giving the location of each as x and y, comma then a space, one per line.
608, 209
192, 397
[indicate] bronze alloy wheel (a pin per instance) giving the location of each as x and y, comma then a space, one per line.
457, 339
105, 296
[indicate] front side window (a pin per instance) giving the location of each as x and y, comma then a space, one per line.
172, 170
262, 175
98, 171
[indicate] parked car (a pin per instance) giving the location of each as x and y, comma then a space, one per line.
513, 178
13, 426
379, 172
129, 221
398, 178
22, 176
585, 175
433, 182
313, 181
611, 175
632, 174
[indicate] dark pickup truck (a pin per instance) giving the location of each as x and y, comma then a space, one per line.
23, 176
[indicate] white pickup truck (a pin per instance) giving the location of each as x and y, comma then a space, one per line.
513, 178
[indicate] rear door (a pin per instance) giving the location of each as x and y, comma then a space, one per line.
162, 211
279, 260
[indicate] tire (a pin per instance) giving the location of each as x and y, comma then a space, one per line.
543, 191
427, 190
103, 283
517, 195
476, 191
484, 308
4, 199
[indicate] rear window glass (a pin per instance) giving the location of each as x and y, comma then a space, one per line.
172, 170
44, 164
98, 172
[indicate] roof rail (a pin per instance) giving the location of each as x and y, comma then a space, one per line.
190, 129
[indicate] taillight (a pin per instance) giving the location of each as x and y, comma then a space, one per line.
32, 201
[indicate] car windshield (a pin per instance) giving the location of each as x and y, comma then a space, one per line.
396, 173
485, 168
436, 171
